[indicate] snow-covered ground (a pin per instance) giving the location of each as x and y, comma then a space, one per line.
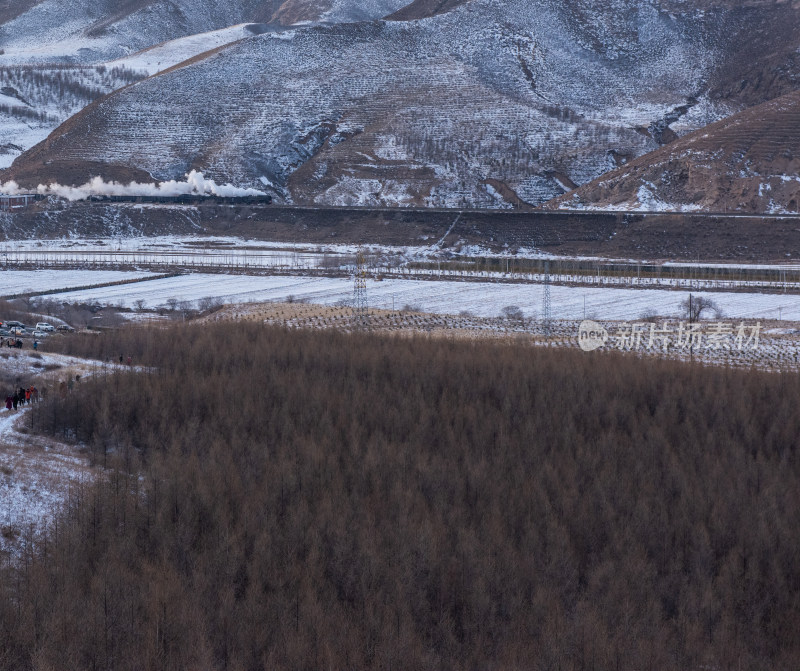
212, 244
163, 56
35, 478
259, 257
436, 296
13, 282
139, 251
261, 275
36, 473
510, 91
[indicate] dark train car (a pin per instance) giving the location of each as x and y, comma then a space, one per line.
185, 199
20, 201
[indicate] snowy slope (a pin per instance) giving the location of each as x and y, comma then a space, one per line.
163, 56
346, 11
92, 32
35, 100
485, 105
139, 35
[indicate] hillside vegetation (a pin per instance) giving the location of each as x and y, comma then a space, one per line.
34, 100
282, 499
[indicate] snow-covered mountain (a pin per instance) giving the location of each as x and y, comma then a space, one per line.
480, 103
54, 54
101, 30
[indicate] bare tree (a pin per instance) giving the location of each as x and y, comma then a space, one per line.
694, 307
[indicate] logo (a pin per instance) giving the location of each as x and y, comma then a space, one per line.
675, 337
591, 335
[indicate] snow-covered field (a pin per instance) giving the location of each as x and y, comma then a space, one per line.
196, 254
436, 296
13, 282
111, 256
255, 271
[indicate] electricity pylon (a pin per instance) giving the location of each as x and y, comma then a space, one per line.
360, 307
546, 306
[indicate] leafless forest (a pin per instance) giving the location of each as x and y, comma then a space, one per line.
308, 500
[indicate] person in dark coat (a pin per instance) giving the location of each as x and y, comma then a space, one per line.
9, 402
15, 400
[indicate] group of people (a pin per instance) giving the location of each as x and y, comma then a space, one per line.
68, 386
21, 397
13, 342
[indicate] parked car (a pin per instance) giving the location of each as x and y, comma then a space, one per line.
65, 327
18, 331
44, 326
13, 323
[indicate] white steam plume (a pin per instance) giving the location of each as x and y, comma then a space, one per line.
195, 184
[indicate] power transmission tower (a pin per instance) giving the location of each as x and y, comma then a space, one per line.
360, 308
546, 306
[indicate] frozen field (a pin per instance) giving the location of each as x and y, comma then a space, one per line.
215, 253
14, 282
437, 296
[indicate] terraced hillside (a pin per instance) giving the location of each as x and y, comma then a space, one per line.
489, 104
749, 162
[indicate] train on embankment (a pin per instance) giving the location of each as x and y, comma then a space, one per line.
16, 203
184, 199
